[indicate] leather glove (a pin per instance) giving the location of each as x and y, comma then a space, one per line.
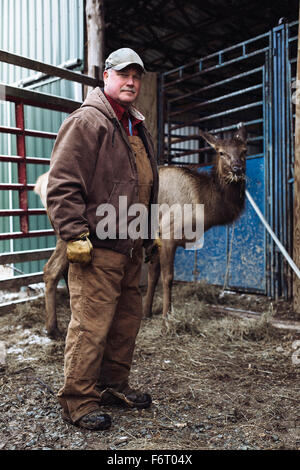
79, 249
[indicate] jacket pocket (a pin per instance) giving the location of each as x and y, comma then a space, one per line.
112, 216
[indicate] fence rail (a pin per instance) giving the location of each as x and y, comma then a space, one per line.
21, 98
249, 82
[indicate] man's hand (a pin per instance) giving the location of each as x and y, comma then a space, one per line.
79, 250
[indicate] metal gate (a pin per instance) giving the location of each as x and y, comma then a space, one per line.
250, 82
26, 204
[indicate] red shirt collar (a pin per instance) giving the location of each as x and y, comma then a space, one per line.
118, 109
122, 114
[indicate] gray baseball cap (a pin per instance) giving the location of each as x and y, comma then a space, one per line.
121, 58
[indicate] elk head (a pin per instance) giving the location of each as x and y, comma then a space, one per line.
231, 154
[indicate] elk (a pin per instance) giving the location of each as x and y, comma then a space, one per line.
55, 269
222, 191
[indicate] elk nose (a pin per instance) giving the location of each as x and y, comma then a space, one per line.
237, 169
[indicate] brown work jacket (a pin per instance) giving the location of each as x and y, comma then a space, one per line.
93, 163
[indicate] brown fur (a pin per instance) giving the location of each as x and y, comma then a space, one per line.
222, 191
55, 268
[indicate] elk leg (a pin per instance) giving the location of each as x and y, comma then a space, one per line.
53, 271
65, 276
153, 276
167, 255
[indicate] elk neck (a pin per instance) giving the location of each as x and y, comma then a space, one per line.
227, 198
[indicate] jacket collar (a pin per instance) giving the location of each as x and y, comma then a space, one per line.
97, 99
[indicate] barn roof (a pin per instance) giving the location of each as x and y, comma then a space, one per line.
170, 33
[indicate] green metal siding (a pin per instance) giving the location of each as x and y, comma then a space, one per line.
51, 31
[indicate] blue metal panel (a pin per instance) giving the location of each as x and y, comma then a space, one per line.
247, 261
254, 85
211, 259
247, 257
184, 265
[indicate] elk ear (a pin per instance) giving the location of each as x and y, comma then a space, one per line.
241, 133
210, 139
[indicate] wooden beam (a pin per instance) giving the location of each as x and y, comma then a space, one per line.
296, 241
147, 103
95, 28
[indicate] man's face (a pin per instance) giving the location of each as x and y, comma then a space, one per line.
123, 85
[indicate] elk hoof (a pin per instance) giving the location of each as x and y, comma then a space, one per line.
54, 333
165, 326
147, 315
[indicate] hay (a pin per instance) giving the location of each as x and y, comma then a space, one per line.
217, 381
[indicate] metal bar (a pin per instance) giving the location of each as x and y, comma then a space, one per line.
216, 100
223, 113
293, 38
23, 280
275, 182
161, 119
33, 233
215, 54
266, 172
218, 67
41, 134
216, 84
34, 79
28, 132
270, 184
233, 127
183, 138
10, 130
38, 99
283, 234
169, 136
51, 70
19, 212
22, 173
290, 166
16, 186
17, 159
23, 256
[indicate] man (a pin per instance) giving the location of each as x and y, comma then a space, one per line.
103, 151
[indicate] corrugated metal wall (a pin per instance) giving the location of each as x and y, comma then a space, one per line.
50, 31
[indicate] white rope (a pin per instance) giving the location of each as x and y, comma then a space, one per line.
229, 259
267, 226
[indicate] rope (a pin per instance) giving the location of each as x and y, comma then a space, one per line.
229, 259
278, 243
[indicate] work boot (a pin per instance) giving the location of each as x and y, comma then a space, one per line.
125, 396
94, 421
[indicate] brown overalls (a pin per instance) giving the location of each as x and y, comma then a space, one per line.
106, 307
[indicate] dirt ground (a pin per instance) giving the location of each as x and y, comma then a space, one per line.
217, 381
